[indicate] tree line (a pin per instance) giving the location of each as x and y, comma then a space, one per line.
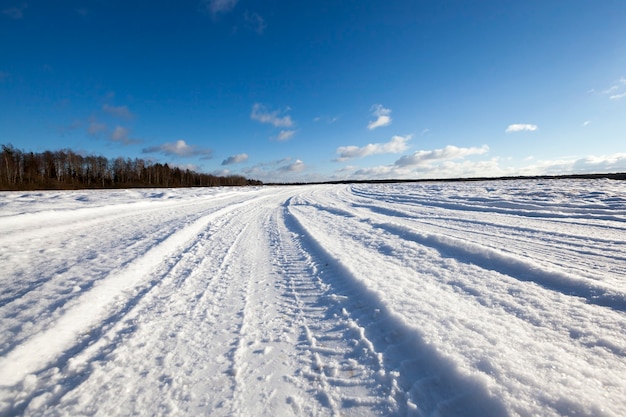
66, 169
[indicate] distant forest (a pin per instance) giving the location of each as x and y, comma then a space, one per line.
65, 169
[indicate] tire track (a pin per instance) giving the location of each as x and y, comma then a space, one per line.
264, 353
157, 336
91, 306
422, 380
47, 278
481, 302
344, 369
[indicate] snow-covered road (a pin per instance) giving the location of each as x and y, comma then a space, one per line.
430, 299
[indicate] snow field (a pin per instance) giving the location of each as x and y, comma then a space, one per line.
472, 299
512, 332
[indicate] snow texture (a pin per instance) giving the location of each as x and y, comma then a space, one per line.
431, 299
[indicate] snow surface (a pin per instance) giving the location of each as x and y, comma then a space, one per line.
430, 299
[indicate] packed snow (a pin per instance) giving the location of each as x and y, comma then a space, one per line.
497, 298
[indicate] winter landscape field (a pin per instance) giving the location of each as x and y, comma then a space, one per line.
496, 298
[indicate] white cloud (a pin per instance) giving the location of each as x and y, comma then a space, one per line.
16, 12
520, 127
121, 134
221, 6
285, 134
618, 96
221, 173
190, 167
397, 144
271, 164
381, 171
75, 125
255, 22
617, 91
586, 123
261, 114
383, 117
450, 152
235, 159
327, 119
178, 148
600, 164
347, 168
297, 166
95, 127
281, 170
118, 111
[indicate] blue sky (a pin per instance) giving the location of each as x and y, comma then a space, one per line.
321, 90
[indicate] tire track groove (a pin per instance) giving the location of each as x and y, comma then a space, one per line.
340, 362
92, 305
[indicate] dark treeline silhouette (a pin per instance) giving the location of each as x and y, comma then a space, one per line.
65, 169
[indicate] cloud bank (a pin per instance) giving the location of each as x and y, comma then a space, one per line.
440, 163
